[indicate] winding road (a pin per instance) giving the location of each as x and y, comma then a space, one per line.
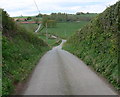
61, 73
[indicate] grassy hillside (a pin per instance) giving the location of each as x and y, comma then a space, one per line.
65, 29
62, 30
64, 17
97, 44
22, 50
30, 27
67, 24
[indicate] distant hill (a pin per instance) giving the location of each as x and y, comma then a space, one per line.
60, 17
97, 44
21, 50
66, 17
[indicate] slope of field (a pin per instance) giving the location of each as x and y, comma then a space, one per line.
33, 27
82, 17
65, 29
97, 44
30, 27
21, 50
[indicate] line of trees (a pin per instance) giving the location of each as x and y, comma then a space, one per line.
46, 21
64, 17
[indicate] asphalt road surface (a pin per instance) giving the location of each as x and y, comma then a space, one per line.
61, 73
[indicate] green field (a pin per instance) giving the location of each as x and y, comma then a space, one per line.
33, 27
62, 30
50, 42
66, 29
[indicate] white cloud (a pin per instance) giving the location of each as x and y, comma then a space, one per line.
111, 2
27, 7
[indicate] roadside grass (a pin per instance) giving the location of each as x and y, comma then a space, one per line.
33, 27
19, 58
51, 42
48, 40
65, 29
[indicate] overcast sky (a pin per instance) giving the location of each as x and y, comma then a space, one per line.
28, 8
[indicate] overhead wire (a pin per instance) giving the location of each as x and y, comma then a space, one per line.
39, 14
36, 6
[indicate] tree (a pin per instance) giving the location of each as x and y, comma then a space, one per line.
87, 12
8, 24
29, 18
51, 23
79, 13
39, 15
44, 20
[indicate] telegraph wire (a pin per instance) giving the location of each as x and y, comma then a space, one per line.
36, 6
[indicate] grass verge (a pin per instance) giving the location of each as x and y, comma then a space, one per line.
65, 29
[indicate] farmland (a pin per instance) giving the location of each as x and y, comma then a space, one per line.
30, 27
62, 30
66, 29
97, 44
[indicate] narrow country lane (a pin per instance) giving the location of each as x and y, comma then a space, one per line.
61, 73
